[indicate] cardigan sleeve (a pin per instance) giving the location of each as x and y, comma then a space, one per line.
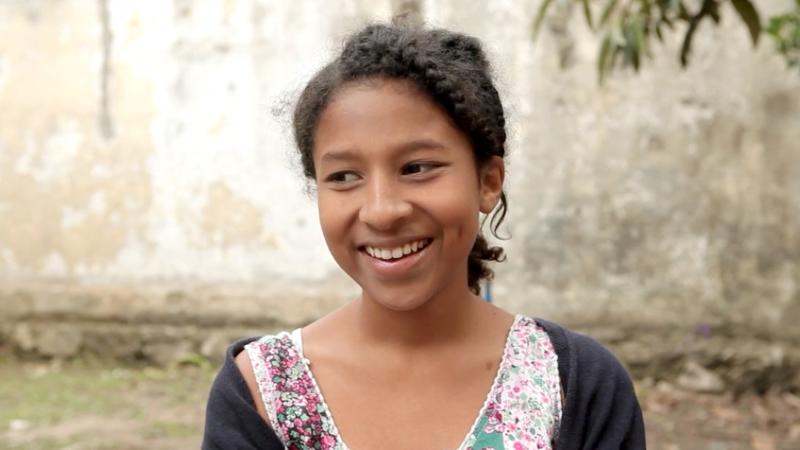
600, 410
232, 421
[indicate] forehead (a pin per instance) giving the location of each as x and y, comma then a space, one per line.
378, 115
379, 85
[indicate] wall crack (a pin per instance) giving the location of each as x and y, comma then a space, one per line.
105, 121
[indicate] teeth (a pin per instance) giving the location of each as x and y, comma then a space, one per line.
397, 252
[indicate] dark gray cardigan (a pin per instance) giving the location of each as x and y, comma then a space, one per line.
600, 410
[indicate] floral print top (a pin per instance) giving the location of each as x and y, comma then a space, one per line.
522, 409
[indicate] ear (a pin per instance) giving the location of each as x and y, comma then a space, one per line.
492, 175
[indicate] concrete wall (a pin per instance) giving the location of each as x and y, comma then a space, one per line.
146, 162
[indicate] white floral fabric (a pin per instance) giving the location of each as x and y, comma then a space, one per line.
522, 409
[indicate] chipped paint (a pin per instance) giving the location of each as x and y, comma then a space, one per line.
230, 219
659, 190
55, 203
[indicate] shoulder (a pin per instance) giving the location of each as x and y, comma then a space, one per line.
253, 358
233, 370
245, 366
532, 341
236, 375
582, 356
233, 418
600, 406
586, 368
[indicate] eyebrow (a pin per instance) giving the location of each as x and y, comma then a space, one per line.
406, 147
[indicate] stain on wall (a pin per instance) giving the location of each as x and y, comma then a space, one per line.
229, 219
148, 142
69, 197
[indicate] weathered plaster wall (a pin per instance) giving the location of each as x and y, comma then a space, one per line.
145, 149
664, 197
139, 140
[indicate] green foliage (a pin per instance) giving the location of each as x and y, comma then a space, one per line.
749, 16
630, 26
785, 31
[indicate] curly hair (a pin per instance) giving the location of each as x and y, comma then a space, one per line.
450, 67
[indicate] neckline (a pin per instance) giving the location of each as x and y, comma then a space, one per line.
297, 341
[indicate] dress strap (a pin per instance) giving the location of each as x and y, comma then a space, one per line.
294, 404
297, 340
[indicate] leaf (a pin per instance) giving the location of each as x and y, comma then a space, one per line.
636, 45
537, 22
714, 14
632, 49
645, 10
641, 37
610, 6
682, 12
604, 59
686, 47
694, 21
587, 11
749, 16
774, 26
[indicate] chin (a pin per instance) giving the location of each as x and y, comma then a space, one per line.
400, 301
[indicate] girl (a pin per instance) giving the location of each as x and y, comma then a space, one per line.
404, 136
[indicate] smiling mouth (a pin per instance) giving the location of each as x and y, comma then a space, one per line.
394, 253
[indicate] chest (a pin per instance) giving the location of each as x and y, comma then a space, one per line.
513, 404
433, 407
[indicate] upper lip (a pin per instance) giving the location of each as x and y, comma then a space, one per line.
391, 243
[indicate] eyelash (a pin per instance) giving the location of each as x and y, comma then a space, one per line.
337, 177
431, 166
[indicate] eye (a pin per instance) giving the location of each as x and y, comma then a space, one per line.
419, 167
342, 177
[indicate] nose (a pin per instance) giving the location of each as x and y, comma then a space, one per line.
385, 206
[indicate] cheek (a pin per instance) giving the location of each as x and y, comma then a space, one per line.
333, 222
457, 210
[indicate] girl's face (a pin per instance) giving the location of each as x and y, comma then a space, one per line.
399, 192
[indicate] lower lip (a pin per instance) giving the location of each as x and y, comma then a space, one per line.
396, 268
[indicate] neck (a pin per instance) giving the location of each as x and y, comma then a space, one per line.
448, 317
